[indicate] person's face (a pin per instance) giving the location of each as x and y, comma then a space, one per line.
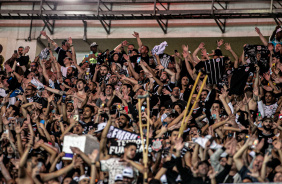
31, 75
204, 95
33, 67
78, 129
193, 131
127, 180
275, 60
267, 124
268, 98
184, 81
122, 122
70, 107
258, 162
80, 86
143, 50
70, 71
29, 91
170, 65
130, 47
194, 96
10, 149
215, 107
277, 47
173, 137
140, 92
163, 77
176, 92
277, 177
85, 65
130, 152
114, 79
94, 49
103, 71
124, 89
67, 61
203, 169
34, 162
84, 181
20, 51
53, 77
223, 161
91, 86
241, 136
87, 113
177, 109
115, 58
109, 90
162, 110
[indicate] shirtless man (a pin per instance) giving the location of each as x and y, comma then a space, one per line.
28, 168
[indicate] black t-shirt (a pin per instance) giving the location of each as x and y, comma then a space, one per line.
23, 60
267, 139
239, 78
61, 55
216, 68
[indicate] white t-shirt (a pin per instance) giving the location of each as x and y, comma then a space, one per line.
113, 166
65, 69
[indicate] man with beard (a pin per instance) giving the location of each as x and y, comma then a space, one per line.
241, 137
123, 122
70, 72
103, 72
243, 170
65, 69
115, 166
266, 133
70, 109
170, 83
88, 113
33, 67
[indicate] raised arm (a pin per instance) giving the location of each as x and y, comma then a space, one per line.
136, 35
43, 33
264, 41
201, 46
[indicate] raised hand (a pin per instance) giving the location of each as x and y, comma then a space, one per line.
227, 46
270, 47
93, 155
135, 34
257, 30
124, 43
126, 57
159, 67
212, 174
179, 144
18, 128
266, 76
75, 150
219, 42
204, 52
202, 45
70, 40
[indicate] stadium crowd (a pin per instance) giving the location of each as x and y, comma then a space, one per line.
232, 136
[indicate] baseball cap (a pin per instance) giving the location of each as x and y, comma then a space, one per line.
101, 127
93, 44
119, 177
127, 172
83, 177
164, 116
